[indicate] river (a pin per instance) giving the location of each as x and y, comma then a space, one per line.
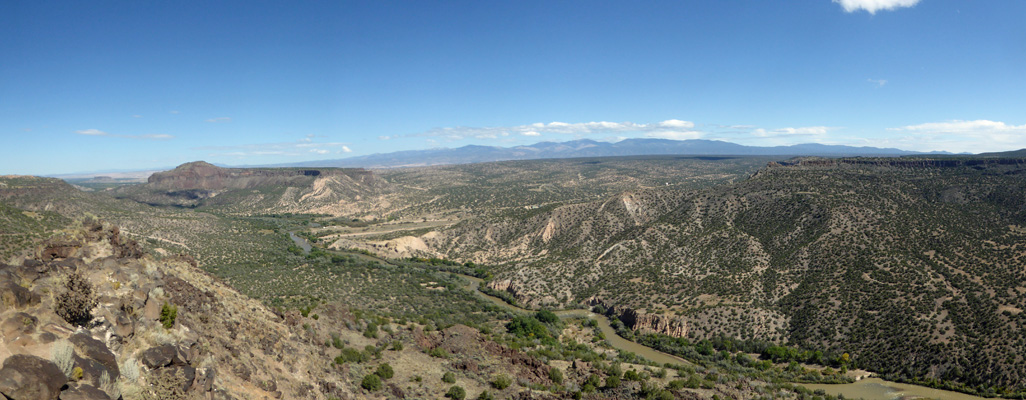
869, 388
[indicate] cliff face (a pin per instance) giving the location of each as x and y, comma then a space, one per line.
204, 176
649, 323
333, 191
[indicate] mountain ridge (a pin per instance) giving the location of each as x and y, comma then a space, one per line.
591, 148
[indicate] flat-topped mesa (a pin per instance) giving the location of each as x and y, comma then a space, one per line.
205, 176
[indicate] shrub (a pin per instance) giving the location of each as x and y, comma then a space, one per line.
612, 381
371, 332
75, 301
546, 316
485, 396
351, 355
456, 393
385, 371
449, 377
63, 354
371, 382
501, 382
438, 352
556, 375
168, 313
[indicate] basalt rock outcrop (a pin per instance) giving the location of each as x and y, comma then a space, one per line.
645, 322
126, 350
200, 175
651, 323
198, 184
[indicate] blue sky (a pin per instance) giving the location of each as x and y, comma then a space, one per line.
88, 86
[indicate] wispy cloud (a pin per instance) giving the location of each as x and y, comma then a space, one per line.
149, 136
872, 6
961, 135
220, 119
877, 82
174, 112
668, 128
802, 131
301, 147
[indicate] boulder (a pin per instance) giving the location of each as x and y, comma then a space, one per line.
18, 324
96, 350
13, 296
84, 392
160, 356
29, 377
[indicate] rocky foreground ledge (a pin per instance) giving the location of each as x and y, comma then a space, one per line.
159, 329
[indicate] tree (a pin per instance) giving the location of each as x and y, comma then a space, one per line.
385, 371
456, 393
501, 382
371, 382
556, 375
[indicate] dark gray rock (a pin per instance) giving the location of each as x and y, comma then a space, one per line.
25, 377
96, 350
160, 356
84, 392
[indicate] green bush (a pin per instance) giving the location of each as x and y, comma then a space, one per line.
612, 381
456, 393
449, 377
501, 382
168, 313
371, 382
385, 371
556, 375
485, 396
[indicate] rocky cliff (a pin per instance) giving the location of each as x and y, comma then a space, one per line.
205, 176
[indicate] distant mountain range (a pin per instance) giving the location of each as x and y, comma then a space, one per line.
590, 148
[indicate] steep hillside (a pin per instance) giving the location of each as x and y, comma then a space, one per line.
913, 266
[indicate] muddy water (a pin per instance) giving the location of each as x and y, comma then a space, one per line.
301, 242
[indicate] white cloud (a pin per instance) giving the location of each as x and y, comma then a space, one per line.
675, 135
137, 116
878, 82
383, 137
872, 6
671, 127
676, 123
156, 136
220, 119
149, 136
302, 147
91, 132
802, 131
959, 135
174, 112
